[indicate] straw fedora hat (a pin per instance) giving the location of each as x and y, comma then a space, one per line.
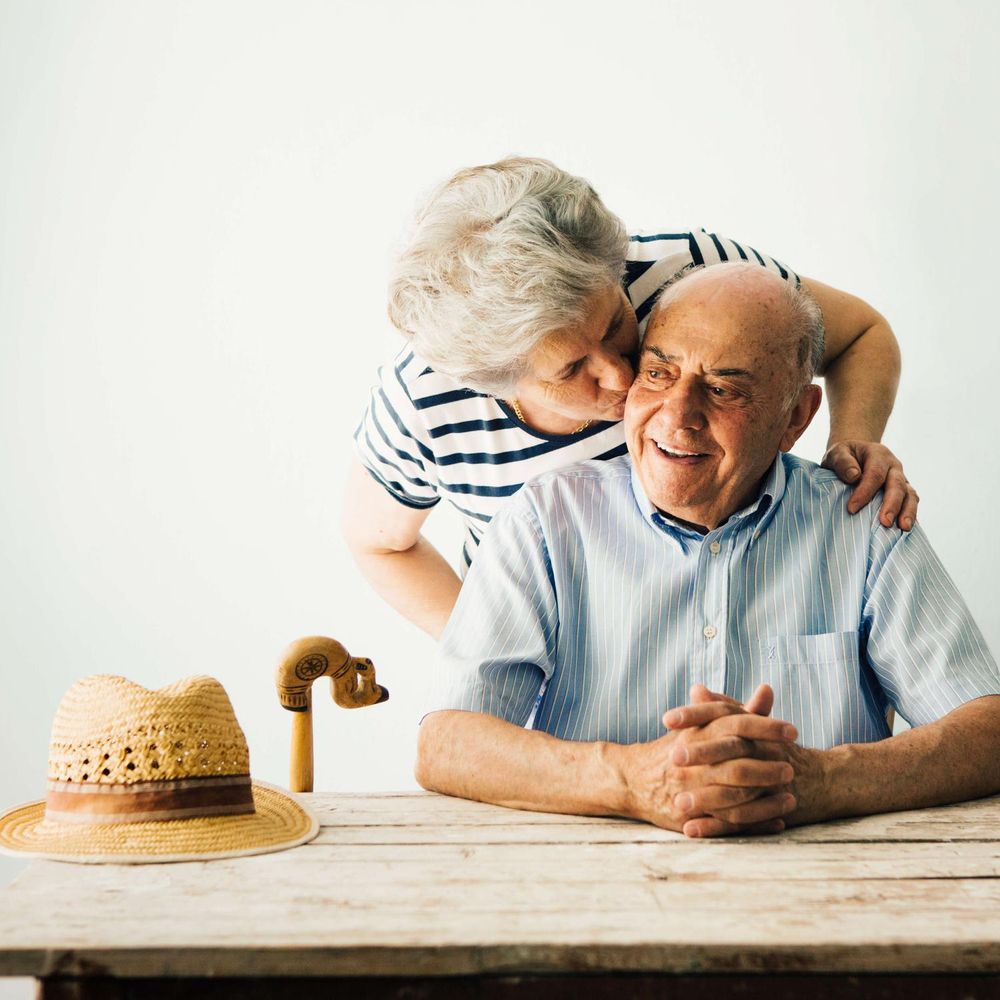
147, 776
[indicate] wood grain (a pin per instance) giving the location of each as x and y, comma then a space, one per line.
416, 884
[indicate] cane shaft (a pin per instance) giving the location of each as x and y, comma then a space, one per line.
300, 774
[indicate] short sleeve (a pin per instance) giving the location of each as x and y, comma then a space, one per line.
656, 259
921, 641
498, 649
391, 440
715, 249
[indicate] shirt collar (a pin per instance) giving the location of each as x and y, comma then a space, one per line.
758, 513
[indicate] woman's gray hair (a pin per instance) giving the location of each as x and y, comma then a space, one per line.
502, 255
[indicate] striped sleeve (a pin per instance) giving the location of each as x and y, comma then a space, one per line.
391, 440
714, 249
499, 647
922, 642
657, 259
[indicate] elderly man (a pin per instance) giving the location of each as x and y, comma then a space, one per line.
712, 561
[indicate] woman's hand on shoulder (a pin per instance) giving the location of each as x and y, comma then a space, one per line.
869, 467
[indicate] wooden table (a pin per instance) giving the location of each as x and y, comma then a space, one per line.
419, 895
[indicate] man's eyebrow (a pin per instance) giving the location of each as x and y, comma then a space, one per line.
672, 358
615, 321
668, 358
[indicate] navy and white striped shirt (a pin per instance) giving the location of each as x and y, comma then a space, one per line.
592, 613
424, 436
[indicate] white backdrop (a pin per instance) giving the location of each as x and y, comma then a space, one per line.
198, 201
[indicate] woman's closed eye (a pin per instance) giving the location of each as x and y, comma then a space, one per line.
573, 369
616, 325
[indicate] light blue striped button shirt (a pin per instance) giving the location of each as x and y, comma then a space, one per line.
587, 613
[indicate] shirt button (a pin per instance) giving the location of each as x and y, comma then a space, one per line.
715, 548
709, 631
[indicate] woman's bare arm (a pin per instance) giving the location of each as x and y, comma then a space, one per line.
403, 568
861, 367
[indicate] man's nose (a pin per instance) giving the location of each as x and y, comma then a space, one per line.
682, 406
612, 370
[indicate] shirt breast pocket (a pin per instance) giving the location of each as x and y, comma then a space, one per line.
816, 681
813, 650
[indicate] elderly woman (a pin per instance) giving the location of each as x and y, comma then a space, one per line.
523, 300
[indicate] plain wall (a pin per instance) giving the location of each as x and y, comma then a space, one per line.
198, 204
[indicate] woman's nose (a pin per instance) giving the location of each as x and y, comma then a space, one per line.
612, 370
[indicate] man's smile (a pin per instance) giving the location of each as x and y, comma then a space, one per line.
680, 456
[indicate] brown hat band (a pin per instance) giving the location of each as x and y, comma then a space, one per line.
71, 802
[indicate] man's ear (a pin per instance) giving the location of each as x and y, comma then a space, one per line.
801, 416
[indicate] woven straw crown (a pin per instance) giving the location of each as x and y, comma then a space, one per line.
144, 776
109, 730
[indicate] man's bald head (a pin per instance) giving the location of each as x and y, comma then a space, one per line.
792, 315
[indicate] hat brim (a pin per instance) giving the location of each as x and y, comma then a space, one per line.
278, 823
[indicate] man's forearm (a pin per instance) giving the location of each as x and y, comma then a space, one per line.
951, 760
476, 756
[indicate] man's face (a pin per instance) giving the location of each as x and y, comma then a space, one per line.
710, 406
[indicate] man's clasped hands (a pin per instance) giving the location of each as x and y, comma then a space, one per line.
722, 768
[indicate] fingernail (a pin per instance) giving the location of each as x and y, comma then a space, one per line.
907, 523
684, 801
789, 732
788, 801
787, 774
674, 718
681, 755
890, 516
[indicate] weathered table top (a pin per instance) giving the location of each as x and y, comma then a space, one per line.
416, 884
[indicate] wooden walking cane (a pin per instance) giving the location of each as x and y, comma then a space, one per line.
352, 684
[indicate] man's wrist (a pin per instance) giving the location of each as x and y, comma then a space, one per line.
613, 758
853, 435
822, 784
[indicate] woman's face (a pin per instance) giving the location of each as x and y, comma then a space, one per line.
583, 372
